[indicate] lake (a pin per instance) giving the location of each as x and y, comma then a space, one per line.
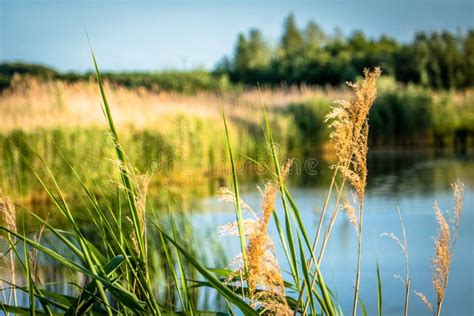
411, 181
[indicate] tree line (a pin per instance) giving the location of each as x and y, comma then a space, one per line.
441, 60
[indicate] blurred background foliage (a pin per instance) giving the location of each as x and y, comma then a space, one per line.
440, 60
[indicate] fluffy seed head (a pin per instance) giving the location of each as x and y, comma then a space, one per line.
442, 258
143, 182
425, 301
349, 121
350, 213
7, 210
264, 271
458, 188
264, 279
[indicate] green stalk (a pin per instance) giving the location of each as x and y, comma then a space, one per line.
238, 208
123, 170
379, 291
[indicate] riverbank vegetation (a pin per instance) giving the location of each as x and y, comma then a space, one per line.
178, 136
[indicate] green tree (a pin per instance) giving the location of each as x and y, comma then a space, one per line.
314, 36
468, 66
292, 39
252, 57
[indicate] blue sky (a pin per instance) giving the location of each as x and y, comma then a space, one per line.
152, 35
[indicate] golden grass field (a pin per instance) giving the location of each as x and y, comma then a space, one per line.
32, 104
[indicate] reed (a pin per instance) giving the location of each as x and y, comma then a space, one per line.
139, 245
403, 244
266, 287
444, 248
8, 212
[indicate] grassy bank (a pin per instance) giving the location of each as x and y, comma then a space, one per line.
402, 116
180, 138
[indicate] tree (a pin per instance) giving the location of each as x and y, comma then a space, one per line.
259, 51
314, 36
468, 52
440, 60
252, 57
292, 39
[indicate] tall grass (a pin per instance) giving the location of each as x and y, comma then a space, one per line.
179, 134
130, 244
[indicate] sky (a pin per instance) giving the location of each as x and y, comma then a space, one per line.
157, 35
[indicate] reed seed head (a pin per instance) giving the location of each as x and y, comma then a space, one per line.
442, 258
7, 210
349, 121
264, 271
143, 182
265, 283
351, 216
425, 301
458, 188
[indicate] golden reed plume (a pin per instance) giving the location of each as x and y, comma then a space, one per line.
351, 215
265, 283
349, 122
350, 132
442, 258
444, 248
8, 212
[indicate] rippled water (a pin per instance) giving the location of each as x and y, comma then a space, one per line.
411, 182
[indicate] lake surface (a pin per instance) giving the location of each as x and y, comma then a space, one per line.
411, 181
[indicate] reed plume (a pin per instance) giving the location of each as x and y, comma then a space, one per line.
8, 212
7, 209
143, 181
425, 301
33, 253
349, 121
349, 136
442, 258
264, 271
444, 248
350, 129
351, 215
404, 247
265, 283
458, 190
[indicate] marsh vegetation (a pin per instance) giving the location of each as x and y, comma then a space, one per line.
125, 254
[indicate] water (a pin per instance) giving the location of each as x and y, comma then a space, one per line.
412, 182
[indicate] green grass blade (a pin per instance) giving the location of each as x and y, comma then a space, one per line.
363, 307
30, 281
119, 292
187, 304
289, 234
172, 269
307, 278
213, 280
379, 291
238, 208
281, 234
124, 174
